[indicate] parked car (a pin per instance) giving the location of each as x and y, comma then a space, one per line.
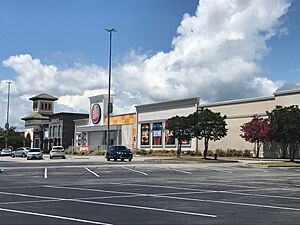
5, 152
20, 152
57, 151
35, 153
118, 152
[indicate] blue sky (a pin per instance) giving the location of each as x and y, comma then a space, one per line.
67, 31
164, 49
283, 61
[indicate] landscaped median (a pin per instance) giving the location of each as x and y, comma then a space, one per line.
277, 164
190, 159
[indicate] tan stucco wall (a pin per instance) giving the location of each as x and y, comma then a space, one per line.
129, 119
287, 100
242, 112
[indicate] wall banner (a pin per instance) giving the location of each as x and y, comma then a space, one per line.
145, 134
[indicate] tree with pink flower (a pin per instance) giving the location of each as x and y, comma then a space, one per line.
256, 131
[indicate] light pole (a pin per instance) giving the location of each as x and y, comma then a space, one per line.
7, 113
109, 107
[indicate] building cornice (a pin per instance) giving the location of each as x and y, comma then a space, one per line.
182, 103
287, 92
238, 101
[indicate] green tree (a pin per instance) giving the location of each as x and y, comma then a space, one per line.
15, 139
256, 131
180, 126
285, 127
207, 125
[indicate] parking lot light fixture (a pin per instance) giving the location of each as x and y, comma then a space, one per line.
7, 113
109, 107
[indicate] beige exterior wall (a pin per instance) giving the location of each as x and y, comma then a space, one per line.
287, 100
240, 112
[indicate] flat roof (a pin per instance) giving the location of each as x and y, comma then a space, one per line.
181, 103
237, 101
287, 92
123, 114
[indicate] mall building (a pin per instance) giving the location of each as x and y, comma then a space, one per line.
146, 128
45, 128
241, 111
93, 130
152, 118
151, 124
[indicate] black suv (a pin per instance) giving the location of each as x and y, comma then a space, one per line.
118, 152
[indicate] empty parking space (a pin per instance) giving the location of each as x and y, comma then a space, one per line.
137, 193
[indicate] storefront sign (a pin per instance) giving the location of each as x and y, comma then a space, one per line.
96, 113
84, 149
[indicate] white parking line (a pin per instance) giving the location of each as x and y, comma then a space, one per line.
28, 186
94, 190
145, 208
157, 186
181, 171
191, 199
230, 192
53, 216
107, 204
29, 202
135, 170
46, 173
259, 195
232, 203
91, 172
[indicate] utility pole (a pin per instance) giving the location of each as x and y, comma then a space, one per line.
109, 107
7, 113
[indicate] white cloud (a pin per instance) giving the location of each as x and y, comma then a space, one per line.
215, 55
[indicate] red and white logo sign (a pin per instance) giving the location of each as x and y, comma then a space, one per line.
84, 148
96, 113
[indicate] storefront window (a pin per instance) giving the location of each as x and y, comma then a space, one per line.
145, 134
157, 133
169, 136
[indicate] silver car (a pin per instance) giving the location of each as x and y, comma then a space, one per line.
20, 152
35, 153
57, 151
5, 152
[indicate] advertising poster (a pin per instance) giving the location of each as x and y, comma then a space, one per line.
157, 133
145, 134
169, 136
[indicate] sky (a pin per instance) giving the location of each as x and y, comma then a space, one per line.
162, 50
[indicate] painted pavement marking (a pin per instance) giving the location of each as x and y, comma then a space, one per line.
92, 172
135, 170
53, 216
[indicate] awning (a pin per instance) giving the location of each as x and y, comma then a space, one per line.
98, 128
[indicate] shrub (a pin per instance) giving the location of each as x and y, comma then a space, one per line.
210, 153
221, 153
247, 153
234, 152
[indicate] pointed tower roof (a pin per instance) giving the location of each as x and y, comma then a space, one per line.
43, 96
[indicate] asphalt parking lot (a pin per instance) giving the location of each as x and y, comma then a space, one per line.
100, 192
